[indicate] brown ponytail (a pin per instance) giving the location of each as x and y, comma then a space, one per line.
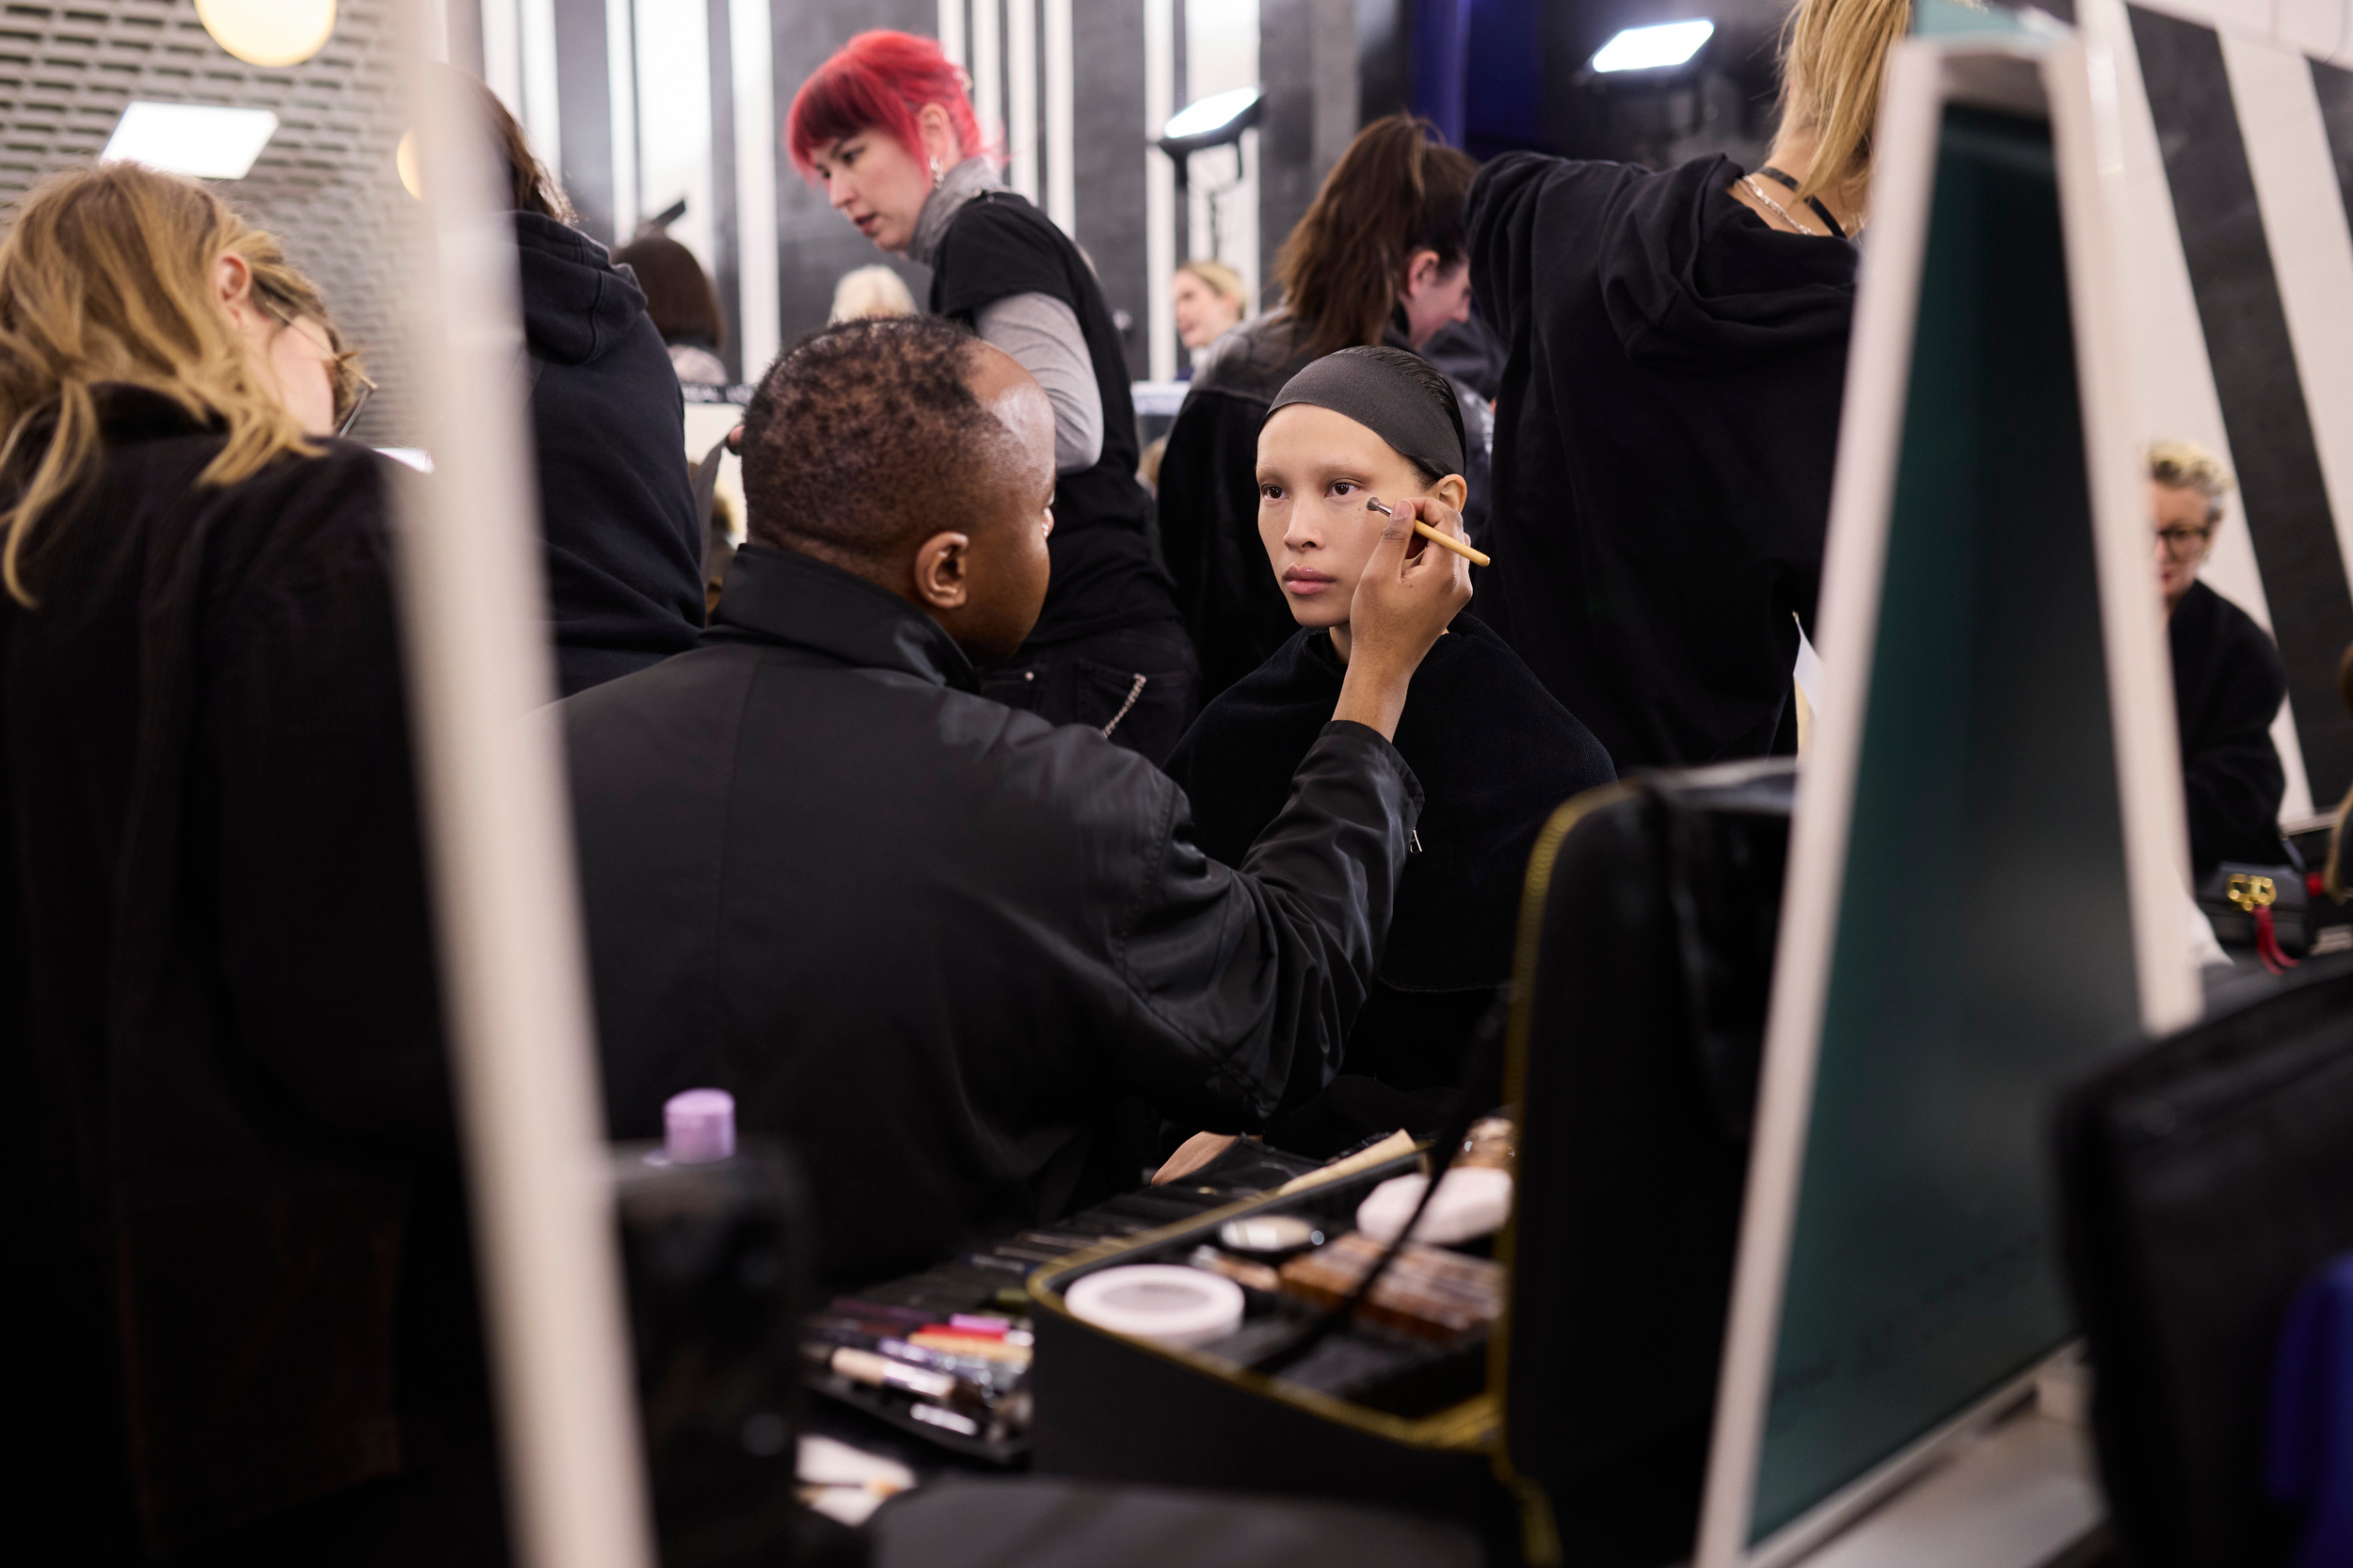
1396, 191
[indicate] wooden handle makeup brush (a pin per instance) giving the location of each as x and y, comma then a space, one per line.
1477, 559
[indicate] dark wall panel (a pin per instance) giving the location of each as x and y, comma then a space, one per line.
1107, 167
2246, 329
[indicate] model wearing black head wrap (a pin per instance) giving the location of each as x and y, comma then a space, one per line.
1398, 396
1493, 753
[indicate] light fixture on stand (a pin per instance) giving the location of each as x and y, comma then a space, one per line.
269, 32
1217, 120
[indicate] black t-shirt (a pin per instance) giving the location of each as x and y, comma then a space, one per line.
1104, 578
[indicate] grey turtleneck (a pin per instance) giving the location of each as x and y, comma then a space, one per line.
1039, 331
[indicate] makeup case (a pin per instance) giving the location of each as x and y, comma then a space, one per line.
2203, 1181
1573, 1431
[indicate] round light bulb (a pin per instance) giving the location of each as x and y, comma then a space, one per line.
269, 32
405, 160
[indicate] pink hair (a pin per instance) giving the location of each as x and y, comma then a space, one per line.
879, 81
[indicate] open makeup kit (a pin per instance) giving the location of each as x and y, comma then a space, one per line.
1186, 1336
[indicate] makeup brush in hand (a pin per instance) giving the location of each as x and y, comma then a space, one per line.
1475, 557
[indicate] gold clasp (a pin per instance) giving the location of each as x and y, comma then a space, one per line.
2249, 891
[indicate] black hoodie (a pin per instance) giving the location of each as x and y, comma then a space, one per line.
616, 508
1664, 436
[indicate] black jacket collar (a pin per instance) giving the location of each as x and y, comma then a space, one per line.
775, 596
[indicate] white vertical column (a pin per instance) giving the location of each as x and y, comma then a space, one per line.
497, 819
539, 118
988, 69
1022, 95
952, 31
503, 53
674, 142
1062, 183
620, 74
751, 51
1160, 185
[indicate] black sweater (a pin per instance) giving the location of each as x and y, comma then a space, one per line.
235, 1233
2227, 684
1664, 439
1495, 754
624, 548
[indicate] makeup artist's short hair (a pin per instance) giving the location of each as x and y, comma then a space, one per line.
860, 441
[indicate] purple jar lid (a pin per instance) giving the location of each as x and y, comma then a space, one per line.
700, 1125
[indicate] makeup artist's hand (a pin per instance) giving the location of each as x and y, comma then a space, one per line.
1409, 592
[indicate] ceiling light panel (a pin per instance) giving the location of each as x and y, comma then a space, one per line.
1670, 43
206, 141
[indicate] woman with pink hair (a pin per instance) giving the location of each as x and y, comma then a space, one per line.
887, 127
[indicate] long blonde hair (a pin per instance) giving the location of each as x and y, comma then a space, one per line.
107, 275
1833, 54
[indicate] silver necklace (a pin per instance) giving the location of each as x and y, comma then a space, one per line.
1758, 191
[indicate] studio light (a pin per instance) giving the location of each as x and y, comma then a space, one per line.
1656, 48
1212, 122
269, 32
204, 140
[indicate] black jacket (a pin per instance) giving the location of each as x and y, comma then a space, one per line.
236, 1232
927, 937
1208, 498
624, 550
1664, 439
1495, 754
2228, 685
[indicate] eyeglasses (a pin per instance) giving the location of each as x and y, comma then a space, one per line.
2185, 544
352, 387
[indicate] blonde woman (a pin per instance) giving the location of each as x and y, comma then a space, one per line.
1208, 301
1670, 406
2228, 680
870, 291
235, 1198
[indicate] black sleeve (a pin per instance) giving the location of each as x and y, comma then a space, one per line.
325, 929
1208, 510
2231, 781
1245, 980
992, 252
1498, 219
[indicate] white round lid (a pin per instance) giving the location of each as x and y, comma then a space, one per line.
1159, 1300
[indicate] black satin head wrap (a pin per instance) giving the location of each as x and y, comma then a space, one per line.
1387, 390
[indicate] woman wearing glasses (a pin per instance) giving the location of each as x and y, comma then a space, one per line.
2227, 681
236, 1232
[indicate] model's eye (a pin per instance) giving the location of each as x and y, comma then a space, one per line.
1270, 492
1345, 487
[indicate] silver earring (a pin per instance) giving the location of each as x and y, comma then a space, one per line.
937, 173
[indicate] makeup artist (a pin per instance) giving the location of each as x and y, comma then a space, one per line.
886, 126
1494, 750
926, 937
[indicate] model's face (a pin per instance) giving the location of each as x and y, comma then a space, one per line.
1203, 314
1435, 297
877, 185
1316, 471
2183, 537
